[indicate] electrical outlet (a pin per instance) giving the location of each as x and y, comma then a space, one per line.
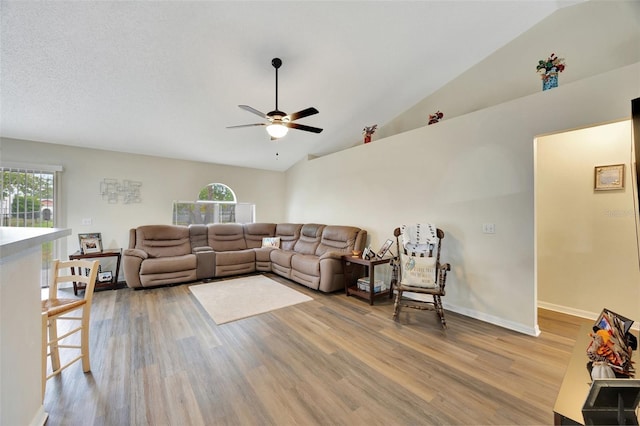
489, 228
86, 221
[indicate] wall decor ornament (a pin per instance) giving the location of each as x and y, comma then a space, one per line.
112, 190
549, 70
609, 177
368, 132
435, 117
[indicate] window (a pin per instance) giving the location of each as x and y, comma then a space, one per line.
28, 200
216, 204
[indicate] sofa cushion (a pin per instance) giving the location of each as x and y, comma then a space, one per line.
235, 257
235, 262
307, 264
162, 265
226, 237
309, 238
163, 240
282, 257
289, 234
254, 233
198, 236
337, 238
263, 254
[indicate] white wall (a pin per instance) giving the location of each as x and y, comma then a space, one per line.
461, 173
163, 181
587, 255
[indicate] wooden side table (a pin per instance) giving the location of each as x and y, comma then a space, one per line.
117, 253
348, 261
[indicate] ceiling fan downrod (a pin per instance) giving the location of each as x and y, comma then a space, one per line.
277, 63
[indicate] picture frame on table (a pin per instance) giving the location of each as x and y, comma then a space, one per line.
366, 253
90, 242
385, 248
609, 319
607, 178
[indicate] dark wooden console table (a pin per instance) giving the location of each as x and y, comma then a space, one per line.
348, 261
117, 253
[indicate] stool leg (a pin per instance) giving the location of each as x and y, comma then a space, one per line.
84, 340
45, 332
53, 344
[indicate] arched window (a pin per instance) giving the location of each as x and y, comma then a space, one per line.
216, 203
217, 192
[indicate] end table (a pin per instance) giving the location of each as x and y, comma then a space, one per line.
348, 261
117, 253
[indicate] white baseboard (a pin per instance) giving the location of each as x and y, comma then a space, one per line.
568, 310
40, 417
577, 312
501, 322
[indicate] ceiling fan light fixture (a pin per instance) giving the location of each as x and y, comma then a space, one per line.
277, 130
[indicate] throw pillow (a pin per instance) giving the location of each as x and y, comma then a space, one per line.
271, 242
418, 271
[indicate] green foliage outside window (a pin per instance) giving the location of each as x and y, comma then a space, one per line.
29, 205
217, 192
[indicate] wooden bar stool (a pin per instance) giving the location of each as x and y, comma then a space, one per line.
55, 309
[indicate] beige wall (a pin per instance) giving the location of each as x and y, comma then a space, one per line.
587, 255
594, 37
163, 181
459, 174
472, 169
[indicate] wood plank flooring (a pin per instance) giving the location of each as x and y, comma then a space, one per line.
158, 359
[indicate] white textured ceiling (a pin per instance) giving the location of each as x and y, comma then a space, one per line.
166, 78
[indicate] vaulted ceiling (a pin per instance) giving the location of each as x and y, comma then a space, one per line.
165, 78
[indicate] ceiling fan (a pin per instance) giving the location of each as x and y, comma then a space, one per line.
280, 122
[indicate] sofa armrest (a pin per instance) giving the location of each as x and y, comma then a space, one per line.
137, 253
333, 255
131, 263
206, 262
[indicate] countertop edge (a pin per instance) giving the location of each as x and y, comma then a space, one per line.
15, 240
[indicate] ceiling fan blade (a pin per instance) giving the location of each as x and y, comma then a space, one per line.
304, 113
254, 111
302, 127
247, 125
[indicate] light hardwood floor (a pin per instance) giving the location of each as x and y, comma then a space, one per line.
158, 359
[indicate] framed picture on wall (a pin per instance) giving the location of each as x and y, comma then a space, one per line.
90, 243
609, 177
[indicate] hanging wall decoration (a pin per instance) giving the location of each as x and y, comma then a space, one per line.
435, 117
368, 132
549, 70
112, 190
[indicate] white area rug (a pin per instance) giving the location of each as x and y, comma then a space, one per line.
244, 297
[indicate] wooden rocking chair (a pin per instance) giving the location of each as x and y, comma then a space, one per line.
417, 269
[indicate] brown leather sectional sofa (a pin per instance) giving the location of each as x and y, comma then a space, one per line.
309, 254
